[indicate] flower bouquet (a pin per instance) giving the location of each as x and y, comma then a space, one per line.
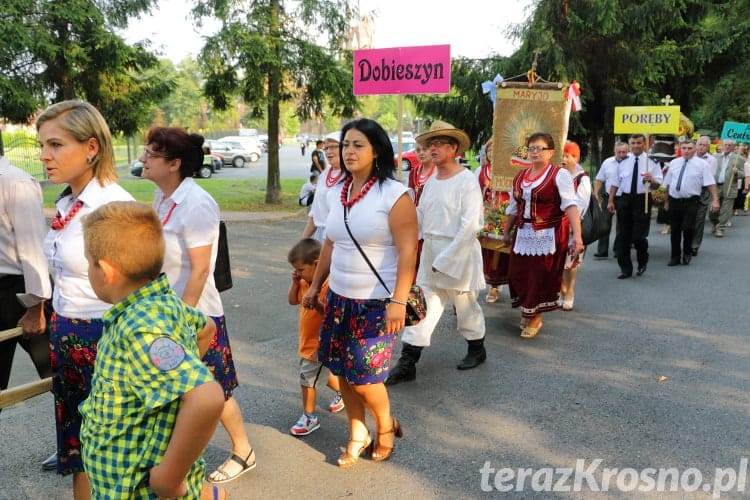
494, 221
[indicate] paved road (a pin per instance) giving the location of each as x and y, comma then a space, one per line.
587, 388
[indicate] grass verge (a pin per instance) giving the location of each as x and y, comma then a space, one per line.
232, 195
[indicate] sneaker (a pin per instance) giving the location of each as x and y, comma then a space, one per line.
337, 404
305, 425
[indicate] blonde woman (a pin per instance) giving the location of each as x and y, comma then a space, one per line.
76, 150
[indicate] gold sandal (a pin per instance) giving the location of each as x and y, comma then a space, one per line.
529, 332
382, 453
347, 459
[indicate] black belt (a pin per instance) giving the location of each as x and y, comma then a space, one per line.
684, 200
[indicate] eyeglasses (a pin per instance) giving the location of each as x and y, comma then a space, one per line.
537, 149
150, 154
437, 143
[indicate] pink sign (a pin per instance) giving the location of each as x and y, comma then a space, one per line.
403, 70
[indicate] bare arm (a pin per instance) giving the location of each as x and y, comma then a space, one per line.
574, 217
205, 336
403, 224
310, 299
200, 265
33, 321
195, 424
509, 223
714, 197
309, 228
294, 289
597, 190
611, 202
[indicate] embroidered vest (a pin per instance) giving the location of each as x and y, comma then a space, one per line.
545, 201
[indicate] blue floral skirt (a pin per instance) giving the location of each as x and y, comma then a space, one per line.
218, 358
353, 342
72, 353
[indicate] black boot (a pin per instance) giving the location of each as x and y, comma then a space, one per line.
475, 355
405, 370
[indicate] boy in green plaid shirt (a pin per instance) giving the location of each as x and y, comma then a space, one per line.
153, 405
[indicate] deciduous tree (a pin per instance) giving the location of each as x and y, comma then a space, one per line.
271, 51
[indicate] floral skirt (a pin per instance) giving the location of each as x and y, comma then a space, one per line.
72, 353
218, 358
353, 342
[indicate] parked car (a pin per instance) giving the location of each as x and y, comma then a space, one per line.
205, 171
250, 143
408, 156
235, 154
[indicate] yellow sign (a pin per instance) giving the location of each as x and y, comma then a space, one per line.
647, 120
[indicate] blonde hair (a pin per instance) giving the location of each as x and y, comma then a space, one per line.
83, 121
129, 235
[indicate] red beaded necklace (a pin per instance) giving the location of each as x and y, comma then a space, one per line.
59, 223
169, 214
422, 179
530, 180
331, 181
362, 192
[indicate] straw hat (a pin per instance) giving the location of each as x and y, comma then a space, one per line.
443, 129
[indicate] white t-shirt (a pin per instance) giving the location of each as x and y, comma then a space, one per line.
72, 295
191, 219
319, 209
350, 276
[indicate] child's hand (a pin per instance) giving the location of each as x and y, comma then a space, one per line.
296, 276
159, 482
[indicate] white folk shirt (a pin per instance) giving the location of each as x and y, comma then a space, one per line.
191, 220
73, 296
625, 173
608, 171
542, 241
451, 213
22, 229
697, 174
350, 276
319, 208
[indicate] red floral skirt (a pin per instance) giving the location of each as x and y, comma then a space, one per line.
72, 354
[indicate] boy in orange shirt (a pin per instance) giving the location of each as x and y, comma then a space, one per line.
304, 259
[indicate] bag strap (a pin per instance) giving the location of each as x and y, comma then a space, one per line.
364, 255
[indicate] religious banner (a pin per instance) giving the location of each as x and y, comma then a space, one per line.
522, 109
403, 70
647, 120
738, 132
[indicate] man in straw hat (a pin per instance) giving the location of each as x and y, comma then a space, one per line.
450, 270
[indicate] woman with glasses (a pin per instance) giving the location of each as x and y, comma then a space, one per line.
190, 218
76, 150
542, 195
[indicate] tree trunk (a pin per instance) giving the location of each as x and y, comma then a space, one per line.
273, 184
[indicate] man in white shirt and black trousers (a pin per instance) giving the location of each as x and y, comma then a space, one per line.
636, 175
686, 178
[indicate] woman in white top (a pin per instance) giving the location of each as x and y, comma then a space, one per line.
582, 185
332, 175
190, 217
362, 317
76, 149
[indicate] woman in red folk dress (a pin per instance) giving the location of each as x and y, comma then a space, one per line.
495, 263
542, 194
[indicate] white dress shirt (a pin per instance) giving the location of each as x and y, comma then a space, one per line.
22, 229
73, 296
191, 220
696, 175
622, 180
608, 171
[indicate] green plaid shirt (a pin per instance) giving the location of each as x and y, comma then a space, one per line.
147, 359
